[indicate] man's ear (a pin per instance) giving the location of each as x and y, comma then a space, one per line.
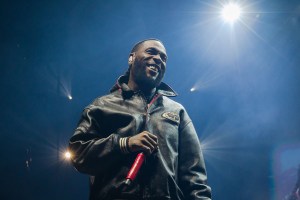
131, 58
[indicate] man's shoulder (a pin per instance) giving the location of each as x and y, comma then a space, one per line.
107, 97
171, 102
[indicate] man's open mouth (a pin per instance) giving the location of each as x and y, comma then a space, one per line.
154, 68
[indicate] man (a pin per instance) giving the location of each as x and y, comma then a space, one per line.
138, 116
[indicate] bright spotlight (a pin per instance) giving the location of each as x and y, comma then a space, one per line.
68, 155
70, 97
192, 89
231, 12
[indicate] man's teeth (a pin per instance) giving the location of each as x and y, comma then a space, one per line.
153, 67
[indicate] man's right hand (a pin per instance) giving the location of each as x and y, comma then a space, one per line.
144, 141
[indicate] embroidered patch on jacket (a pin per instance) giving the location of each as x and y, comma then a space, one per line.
171, 116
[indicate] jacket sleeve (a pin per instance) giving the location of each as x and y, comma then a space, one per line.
192, 172
93, 150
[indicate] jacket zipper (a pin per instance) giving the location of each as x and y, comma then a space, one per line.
147, 115
147, 106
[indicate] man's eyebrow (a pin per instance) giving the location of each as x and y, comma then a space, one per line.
160, 52
152, 48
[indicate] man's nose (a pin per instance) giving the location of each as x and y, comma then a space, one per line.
157, 59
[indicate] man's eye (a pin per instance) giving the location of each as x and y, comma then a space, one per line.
152, 52
164, 58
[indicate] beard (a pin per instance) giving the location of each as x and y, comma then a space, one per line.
145, 79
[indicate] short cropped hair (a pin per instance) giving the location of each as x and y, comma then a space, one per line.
137, 45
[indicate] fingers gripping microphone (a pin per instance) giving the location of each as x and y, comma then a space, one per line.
137, 162
135, 168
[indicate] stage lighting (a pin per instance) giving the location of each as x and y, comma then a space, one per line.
68, 155
231, 12
70, 97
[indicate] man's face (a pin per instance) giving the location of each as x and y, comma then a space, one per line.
149, 64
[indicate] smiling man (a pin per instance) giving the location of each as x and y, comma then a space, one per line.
138, 116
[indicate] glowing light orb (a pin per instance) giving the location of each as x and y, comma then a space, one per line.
192, 89
68, 155
231, 12
70, 97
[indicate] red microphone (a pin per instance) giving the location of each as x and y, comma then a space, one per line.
135, 168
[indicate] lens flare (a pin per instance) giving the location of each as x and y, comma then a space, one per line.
68, 155
231, 12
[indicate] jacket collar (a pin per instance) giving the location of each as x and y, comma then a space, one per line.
162, 89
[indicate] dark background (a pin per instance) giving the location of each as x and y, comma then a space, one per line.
245, 107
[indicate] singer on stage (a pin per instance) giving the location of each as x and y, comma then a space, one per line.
138, 117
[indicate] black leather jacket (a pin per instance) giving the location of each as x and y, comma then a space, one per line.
175, 171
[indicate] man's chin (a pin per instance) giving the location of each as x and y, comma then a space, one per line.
150, 82
154, 81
